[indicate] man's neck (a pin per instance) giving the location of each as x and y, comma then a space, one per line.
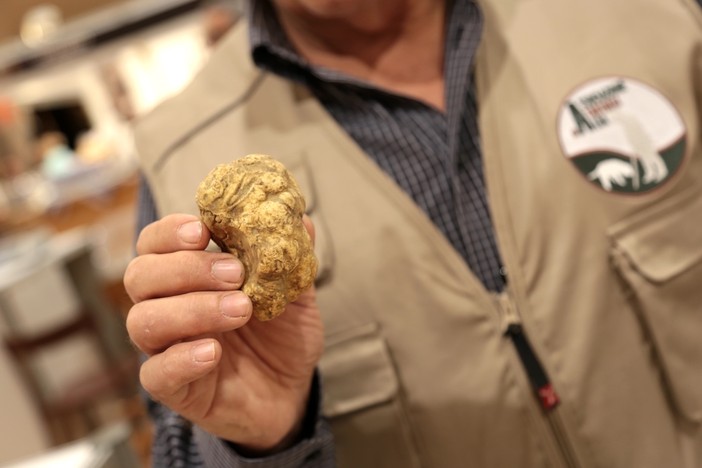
397, 45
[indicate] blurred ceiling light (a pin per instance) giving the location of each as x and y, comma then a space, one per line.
39, 23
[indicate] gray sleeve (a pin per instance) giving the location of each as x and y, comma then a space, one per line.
177, 443
314, 452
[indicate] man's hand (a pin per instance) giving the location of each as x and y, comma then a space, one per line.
242, 380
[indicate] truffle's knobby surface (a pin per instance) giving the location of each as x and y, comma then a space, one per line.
253, 208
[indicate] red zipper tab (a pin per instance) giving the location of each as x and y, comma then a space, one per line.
535, 370
548, 397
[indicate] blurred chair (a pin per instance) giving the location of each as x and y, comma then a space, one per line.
114, 240
68, 345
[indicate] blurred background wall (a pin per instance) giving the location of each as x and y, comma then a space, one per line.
74, 76
14, 10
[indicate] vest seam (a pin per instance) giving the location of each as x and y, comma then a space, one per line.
208, 121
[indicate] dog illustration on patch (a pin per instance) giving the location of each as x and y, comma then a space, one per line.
616, 171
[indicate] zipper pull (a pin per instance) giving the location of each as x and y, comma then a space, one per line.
535, 371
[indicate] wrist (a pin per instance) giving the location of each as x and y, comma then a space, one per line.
303, 427
264, 449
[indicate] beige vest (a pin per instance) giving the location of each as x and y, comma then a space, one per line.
417, 370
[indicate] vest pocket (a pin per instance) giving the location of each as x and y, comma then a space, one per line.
361, 400
658, 255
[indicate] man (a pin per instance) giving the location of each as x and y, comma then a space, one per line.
526, 295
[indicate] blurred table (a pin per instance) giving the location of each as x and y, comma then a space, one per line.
83, 205
80, 198
101, 202
108, 448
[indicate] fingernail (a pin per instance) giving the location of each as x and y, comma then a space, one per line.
229, 271
203, 352
190, 232
235, 305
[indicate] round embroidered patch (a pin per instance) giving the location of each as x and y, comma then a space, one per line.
622, 135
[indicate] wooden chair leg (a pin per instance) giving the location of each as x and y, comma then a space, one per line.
89, 419
60, 429
54, 428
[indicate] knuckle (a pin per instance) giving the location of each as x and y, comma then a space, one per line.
148, 339
139, 326
130, 278
183, 278
189, 274
159, 379
193, 316
191, 305
132, 322
145, 376
149, 383
171, 378
142, 238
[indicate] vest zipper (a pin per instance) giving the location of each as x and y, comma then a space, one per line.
538, 378
554, 420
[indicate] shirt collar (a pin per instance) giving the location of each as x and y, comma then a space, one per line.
270, 47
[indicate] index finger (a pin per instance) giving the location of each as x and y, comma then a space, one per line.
173, 233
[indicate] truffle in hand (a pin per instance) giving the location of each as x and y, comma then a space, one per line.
253, 207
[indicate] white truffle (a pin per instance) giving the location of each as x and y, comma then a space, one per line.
253, 207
